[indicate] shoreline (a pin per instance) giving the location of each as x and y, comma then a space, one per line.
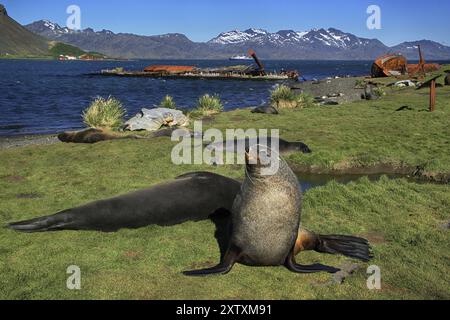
10, 142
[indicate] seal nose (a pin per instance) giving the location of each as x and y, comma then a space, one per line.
251, 156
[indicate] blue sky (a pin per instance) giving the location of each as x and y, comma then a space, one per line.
201, 20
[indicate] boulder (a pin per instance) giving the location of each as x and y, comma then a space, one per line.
154, 119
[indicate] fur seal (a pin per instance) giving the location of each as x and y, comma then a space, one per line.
447, 79
286, 147
92, 136
103, 216
190, 197
265, 110
265, 221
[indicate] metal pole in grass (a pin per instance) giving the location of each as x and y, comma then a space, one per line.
433, 95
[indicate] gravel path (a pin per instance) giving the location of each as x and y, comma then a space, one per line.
21, 141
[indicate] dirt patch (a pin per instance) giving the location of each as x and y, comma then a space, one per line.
22, 141
132, 254
208, 119
374, 237
14, 178
29, 196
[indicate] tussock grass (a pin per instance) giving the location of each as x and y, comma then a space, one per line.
104, 113
168, 103
208, 105
282, 97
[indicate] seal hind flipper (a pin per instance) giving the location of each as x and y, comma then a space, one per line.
228, 261
49, 223
293, 266
349, 246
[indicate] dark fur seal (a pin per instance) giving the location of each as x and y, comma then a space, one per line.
192, 196
155, 206
92, 136
286, 147
265, 110
265, 221
447, 79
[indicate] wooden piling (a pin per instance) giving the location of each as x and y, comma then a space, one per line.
433, 95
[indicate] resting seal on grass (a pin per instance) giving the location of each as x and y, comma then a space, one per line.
95, 135
168, 204
92, 136
191, 197
265, 110
285, 147
266, 220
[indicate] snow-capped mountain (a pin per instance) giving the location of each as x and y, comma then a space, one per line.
327, 37
52, 30
316, 44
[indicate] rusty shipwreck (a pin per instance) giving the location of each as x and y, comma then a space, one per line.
238, 72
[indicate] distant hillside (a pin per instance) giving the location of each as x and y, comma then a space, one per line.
18, 41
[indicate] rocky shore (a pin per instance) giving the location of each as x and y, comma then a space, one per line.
22, 141
339, 90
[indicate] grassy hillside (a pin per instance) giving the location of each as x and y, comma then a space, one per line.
59, 48
18, 41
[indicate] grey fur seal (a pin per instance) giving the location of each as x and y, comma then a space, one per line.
285, 147
190, 197
265, 220
265, 110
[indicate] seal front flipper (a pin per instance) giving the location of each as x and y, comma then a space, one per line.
314, 268
228, 261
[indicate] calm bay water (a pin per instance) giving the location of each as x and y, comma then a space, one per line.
38, 97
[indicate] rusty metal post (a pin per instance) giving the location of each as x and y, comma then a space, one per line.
432, 95
252, 54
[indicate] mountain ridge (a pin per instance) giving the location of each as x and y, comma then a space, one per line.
316, 44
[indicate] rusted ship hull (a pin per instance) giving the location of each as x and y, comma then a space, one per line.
389, 65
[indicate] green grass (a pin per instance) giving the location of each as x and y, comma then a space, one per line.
283, 97
208, 105
168, 102
60, 48
402, 219
363, 133
104, 113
